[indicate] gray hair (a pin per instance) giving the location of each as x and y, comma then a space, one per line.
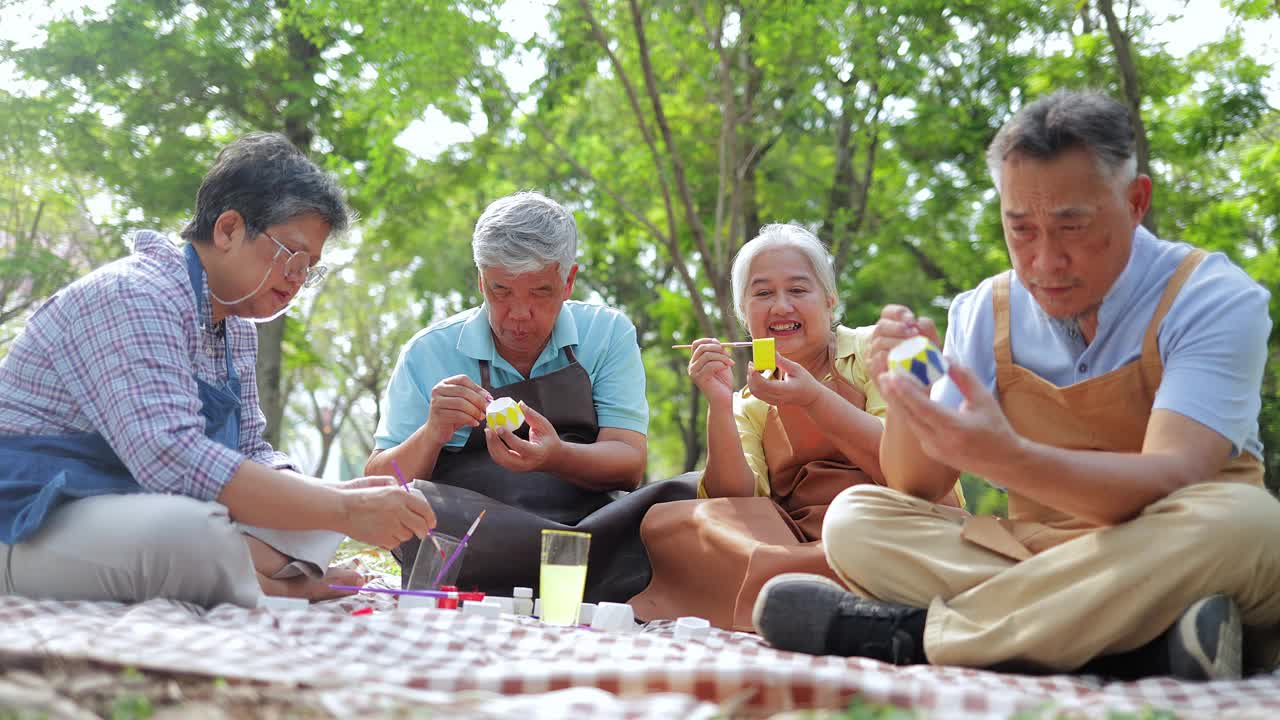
525, 232
1064, 121
775, 236
268, 181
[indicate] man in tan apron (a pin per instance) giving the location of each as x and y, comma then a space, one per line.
1111, 385
577, 370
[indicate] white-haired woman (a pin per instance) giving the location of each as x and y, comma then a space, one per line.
778, 450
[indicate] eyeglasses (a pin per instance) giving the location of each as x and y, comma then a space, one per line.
297, 265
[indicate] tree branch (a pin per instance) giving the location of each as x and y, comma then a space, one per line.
677, 164
862, 189
35, 223
1133, 95
670, 242
634, 100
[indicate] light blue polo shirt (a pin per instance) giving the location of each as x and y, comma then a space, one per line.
603, 339
1213, 341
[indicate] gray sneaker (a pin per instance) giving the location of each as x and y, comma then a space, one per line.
1206, 643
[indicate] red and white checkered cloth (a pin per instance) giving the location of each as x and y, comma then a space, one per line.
517, 667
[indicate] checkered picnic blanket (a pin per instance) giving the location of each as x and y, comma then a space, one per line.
516, 667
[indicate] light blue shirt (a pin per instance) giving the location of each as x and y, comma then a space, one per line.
1213, 341
603, 339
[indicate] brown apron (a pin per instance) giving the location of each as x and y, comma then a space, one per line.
505, 550
1109, 412
710, 557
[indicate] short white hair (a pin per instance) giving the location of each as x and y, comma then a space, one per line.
776, 236
525, 232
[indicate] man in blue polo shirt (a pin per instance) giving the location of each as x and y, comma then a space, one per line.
1110, 383
576, 370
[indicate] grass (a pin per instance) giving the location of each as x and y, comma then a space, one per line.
374, 558
44, 688
131, 706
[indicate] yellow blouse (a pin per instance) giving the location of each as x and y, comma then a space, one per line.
852, 347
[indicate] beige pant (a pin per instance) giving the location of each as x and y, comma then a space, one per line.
1109, 591
131, 548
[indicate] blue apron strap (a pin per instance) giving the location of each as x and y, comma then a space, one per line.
195, 270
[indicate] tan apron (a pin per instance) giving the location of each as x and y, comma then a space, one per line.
710, 557
1109, 412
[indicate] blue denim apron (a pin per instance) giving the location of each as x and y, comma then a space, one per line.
40, 472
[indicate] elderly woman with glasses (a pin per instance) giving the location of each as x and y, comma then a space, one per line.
778, 450
132, 462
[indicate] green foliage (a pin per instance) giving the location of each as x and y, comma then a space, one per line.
131, 706
860, 709
867, 123
370, 556
46, 234
10, 714
142, 95
981, 498
338, 361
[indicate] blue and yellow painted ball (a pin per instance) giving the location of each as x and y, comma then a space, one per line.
919, 358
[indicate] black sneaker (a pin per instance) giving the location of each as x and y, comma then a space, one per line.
1205, 643
811, 614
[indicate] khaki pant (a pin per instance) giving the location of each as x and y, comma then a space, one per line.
131, 548
1108, 591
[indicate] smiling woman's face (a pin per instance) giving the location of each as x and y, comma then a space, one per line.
784, 301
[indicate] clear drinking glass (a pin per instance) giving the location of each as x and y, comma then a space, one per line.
564, 575
429, 561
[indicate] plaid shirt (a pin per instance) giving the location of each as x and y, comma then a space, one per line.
115, 353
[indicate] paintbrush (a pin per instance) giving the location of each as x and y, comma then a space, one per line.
405, 484
458, 550
723, 343
470, 596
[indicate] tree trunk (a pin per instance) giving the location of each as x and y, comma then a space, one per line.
1132, 94
836, 221
693, 431
298, 113
695, 227
848, 199
271, 395
326, 446
1086, 20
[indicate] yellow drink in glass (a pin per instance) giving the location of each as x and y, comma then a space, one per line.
563, 576
562, 593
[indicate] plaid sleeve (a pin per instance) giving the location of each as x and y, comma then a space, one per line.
253, 423
125, 358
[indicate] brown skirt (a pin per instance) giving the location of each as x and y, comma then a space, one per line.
710, 558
